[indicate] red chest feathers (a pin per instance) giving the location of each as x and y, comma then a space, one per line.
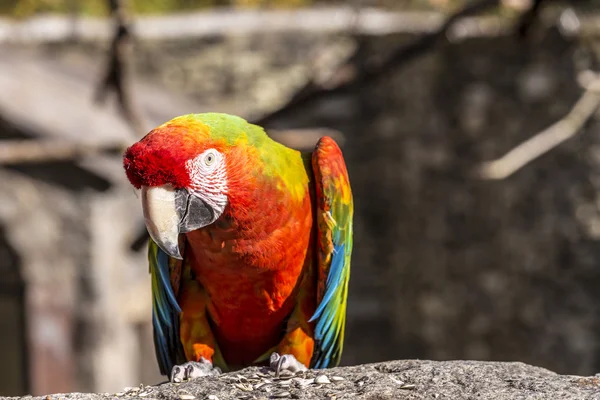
251, 270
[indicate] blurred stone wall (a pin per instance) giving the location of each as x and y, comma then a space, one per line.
34, 216
250, 74
75, 310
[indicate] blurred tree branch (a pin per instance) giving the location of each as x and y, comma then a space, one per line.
35, 151
344, 81
119, 68
547, 139
528, 18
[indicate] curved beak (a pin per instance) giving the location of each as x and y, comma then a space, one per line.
169, 212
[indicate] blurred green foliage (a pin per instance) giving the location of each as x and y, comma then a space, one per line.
26, 8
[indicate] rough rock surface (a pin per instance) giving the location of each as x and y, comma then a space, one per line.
409, 379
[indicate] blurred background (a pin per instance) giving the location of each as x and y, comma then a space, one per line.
470, 129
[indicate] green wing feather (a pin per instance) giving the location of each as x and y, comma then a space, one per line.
166, 274
335, 209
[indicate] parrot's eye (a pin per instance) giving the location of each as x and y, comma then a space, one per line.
209, 159
206, 163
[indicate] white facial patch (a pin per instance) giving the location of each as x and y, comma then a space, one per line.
209, 179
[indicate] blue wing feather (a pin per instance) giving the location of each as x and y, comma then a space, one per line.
333, 281
327, 335
165, 311
334, 220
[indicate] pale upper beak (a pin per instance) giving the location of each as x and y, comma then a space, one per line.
169, 212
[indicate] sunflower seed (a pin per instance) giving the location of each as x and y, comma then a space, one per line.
212, 397
408, 387
241, 386
399, 382
337, 378
285, 374
322, 379
183, 395
280, 395
303, 382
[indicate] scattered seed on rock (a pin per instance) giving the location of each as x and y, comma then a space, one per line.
399, 382
280, 395
241, 386
303, 382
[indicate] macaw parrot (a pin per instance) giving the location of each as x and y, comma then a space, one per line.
250, 246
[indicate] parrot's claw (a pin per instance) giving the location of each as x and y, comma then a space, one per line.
285, 362
193, 369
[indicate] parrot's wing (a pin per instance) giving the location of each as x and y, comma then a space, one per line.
334, 243
166, 275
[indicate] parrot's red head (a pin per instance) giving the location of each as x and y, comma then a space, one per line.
157, 160
182, 169
165, 155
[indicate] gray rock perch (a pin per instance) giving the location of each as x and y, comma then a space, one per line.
410, 379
